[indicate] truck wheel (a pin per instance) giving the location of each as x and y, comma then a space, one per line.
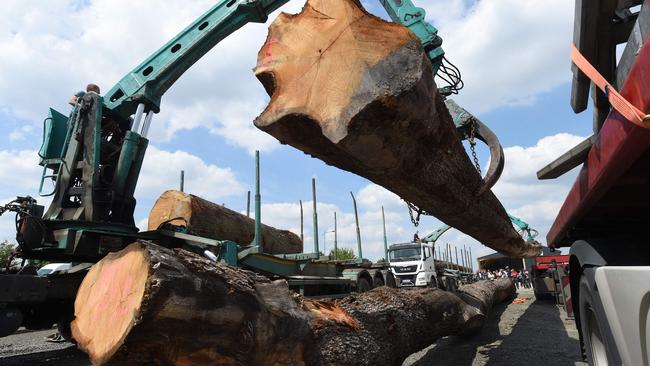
390, 280
377, 282
434, 282
10, 320
63, 325
593, 323
363, 285
38, 318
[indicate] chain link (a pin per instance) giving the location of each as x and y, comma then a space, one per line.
415, 213
472, 145
414, 219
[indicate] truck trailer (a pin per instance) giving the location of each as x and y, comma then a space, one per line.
603, 217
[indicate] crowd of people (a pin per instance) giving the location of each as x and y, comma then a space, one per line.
520, 278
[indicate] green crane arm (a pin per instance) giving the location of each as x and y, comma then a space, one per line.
147, 83
433, 237
521, 224
524, 227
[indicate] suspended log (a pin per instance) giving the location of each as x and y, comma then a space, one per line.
204, 218
148, 305
358, 93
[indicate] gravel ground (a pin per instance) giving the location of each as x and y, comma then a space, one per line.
30, 348
533, 334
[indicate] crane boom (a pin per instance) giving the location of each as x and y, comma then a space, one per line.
531, 233
148, 82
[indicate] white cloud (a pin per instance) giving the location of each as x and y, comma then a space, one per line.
508, 51
369, 200
20, 133
19, 170
19, 176
54, 49
161, 170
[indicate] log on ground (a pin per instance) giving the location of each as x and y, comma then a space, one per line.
148, 305
204, 218
358, 93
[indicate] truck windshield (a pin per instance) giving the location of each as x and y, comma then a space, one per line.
405, 254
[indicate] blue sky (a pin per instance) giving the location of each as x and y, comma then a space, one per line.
513, 56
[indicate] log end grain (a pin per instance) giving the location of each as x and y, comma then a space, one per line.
108, 302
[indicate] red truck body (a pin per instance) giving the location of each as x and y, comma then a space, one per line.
610, 195
543, 263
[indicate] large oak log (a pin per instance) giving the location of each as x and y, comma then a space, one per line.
204, 218
358, 93
148, 305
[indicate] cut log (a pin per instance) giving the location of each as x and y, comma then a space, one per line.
148, 305
358, 93
204, 218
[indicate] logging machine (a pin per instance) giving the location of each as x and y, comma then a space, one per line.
94, 155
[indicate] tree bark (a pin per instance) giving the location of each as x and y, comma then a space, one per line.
358, 93
213, 221
148, 305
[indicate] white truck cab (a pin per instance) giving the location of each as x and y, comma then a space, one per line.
412, 264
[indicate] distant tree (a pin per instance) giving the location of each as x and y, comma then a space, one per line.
6, 249
382, 260
343, 254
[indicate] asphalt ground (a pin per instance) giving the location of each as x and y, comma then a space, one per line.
535, 333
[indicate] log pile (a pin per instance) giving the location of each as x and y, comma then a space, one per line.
204, 218
148, 305
358, 93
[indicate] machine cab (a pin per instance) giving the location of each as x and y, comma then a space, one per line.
412, 264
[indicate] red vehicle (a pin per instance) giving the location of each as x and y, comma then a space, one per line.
543, 279
604, 215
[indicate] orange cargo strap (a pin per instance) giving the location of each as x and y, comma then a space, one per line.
624, 107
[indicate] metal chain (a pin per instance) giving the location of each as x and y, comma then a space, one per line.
414, 219
415, 213
472, 145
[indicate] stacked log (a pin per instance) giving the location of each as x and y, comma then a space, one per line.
358, 93
204, 218
148, 305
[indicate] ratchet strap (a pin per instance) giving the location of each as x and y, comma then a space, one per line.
618, 102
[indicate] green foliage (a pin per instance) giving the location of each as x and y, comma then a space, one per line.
343, 254
382, 260
6, 249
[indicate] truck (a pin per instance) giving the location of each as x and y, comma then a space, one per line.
543, 277
414, 264
93, 157
603, 217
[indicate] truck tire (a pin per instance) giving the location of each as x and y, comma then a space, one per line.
63, 324
377, 282
11, 319
434, 282
38, 317
390, 280
363, 285
597, 343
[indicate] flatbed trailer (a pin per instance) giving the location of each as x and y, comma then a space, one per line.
604, 215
